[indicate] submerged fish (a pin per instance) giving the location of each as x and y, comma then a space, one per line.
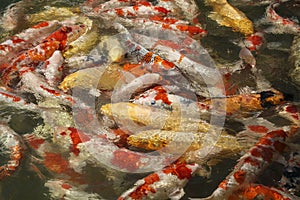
227, 15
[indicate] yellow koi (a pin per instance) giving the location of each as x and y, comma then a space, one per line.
227, 15
153, 117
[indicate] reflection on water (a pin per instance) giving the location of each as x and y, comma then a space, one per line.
223, 46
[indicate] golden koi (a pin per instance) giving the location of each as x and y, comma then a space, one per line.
227, 15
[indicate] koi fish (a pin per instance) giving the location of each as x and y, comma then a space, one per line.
61, 189
13, 147
191, 30
197, 74
227, 15
144, 10
53, 68
16, 101
91, 5
25, 40
99, 150
158, 139
255, 190
102, 78
125, 113
165, 184
252, 164
254, 41
283, 24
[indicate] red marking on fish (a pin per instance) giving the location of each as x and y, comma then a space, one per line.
54, 92
36, 142
55, 162
77, 138
192, 30
10, 96
126, 160
258, 128
16, 39
164, 19
66, 186
40, 25
161, 10
162, 95
291, 109
145, 188
239, 176
180, 170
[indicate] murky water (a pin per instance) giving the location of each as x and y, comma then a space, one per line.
222, 45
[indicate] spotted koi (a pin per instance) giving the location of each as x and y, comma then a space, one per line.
197, 73
13, 147
28, 60
99, 150
283, 24
193, 31
142, 53
53, 68
96, 7
260, 191
144, 10
254, 41
26, 39
252, 164
135, 85
164, 184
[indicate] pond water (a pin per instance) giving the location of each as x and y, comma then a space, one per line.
222, 44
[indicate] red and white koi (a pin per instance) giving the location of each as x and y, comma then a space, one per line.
290, 112
13, 147
142, 54
53, 68
28, 60
254, 41
191, 30
144, 10
96, 7
266, 150
16, 101
125, 91
254, 191
284, 25
99, 150
25, 40
165, 184
61, 189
